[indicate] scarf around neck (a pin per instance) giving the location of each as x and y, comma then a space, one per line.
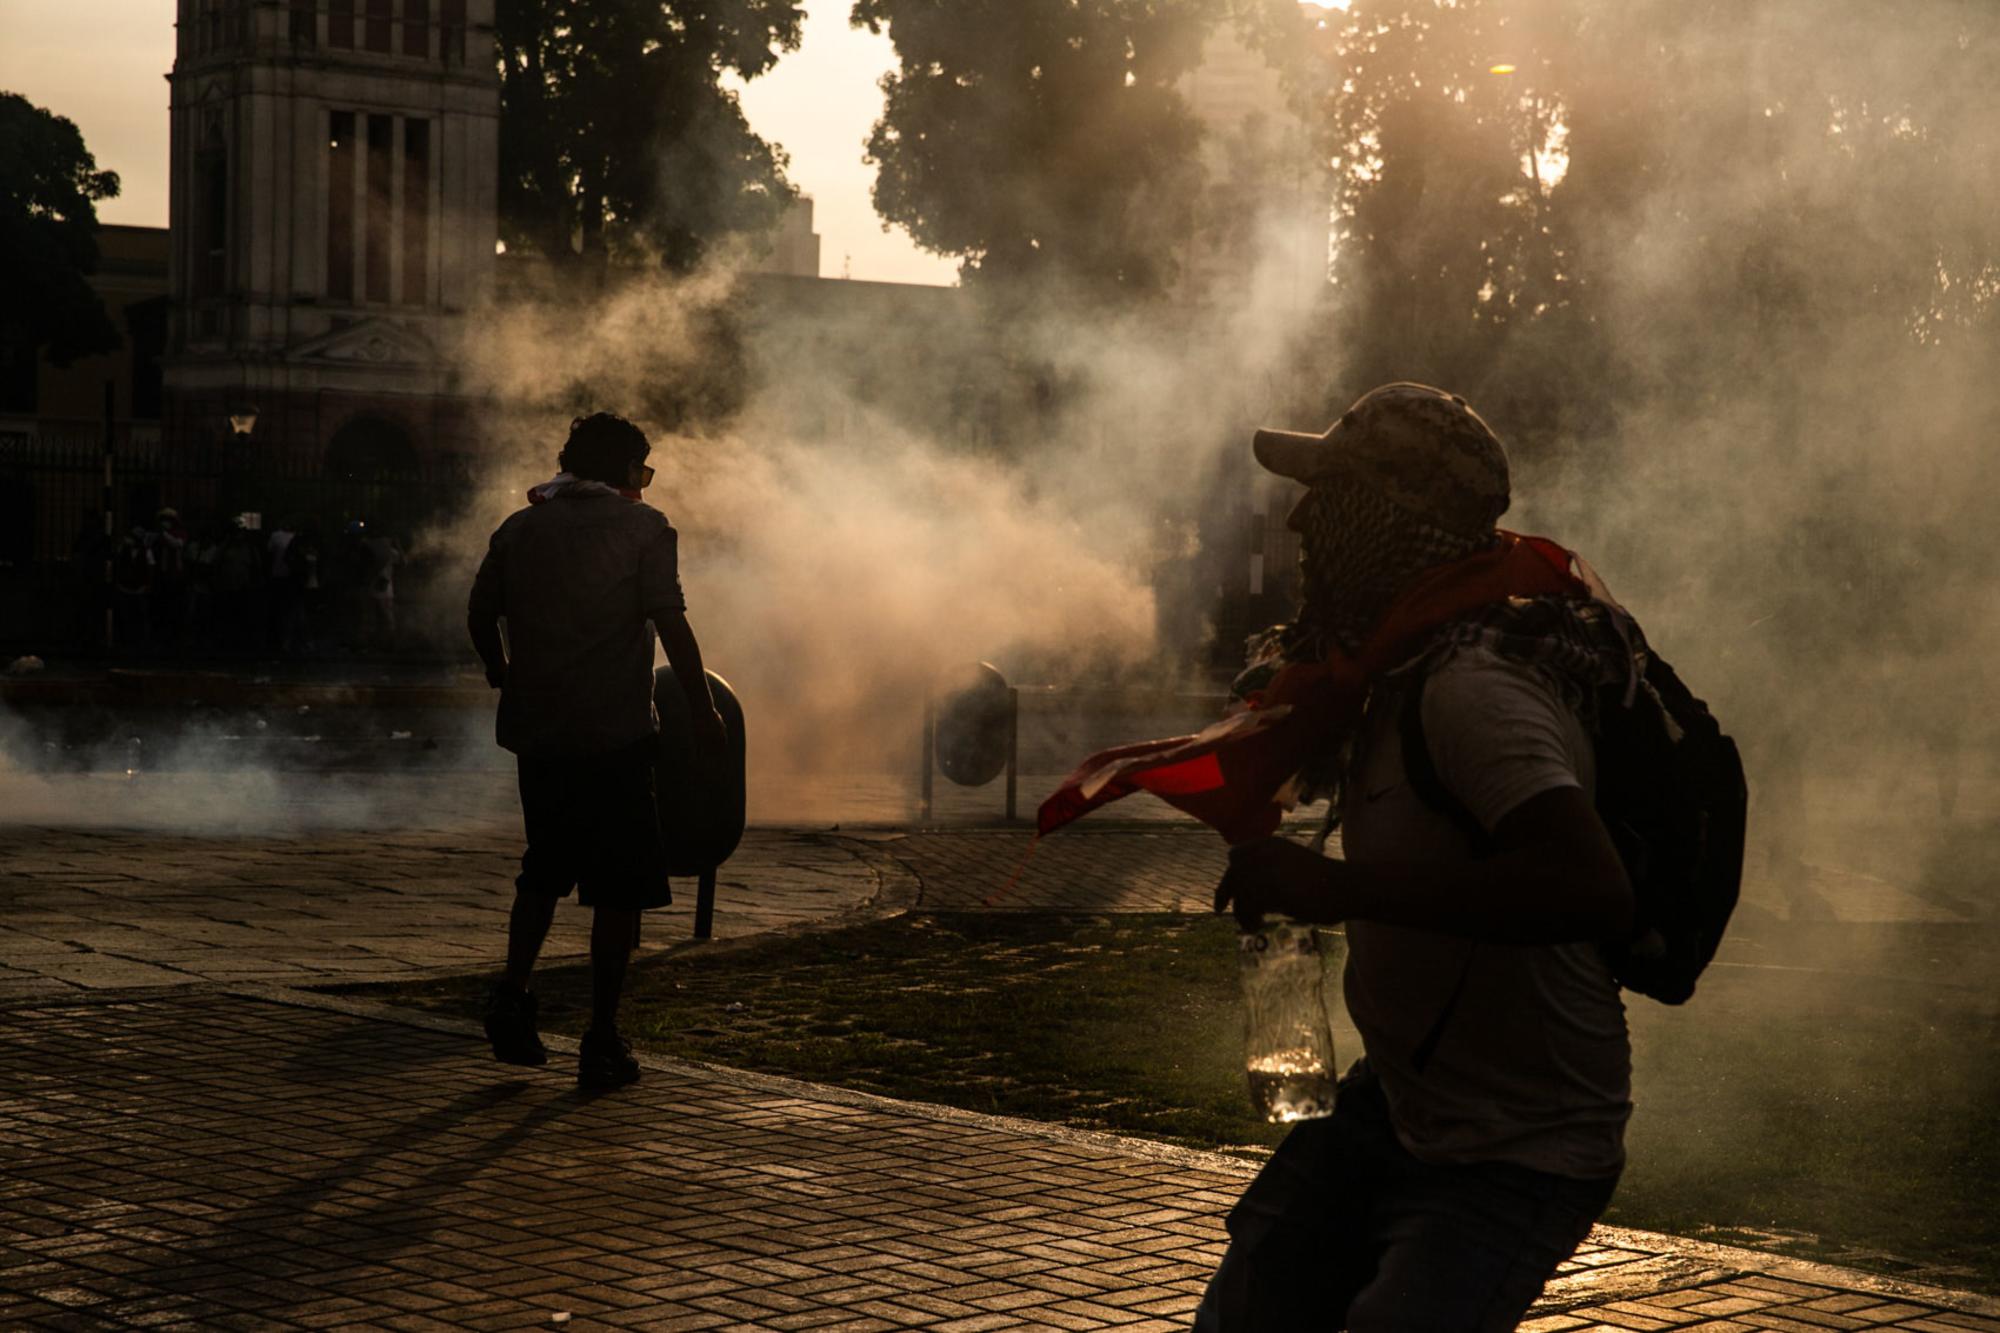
569, 485
1238, 775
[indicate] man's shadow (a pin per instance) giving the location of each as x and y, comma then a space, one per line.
338, 1210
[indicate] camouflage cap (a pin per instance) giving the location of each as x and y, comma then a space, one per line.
1421, 447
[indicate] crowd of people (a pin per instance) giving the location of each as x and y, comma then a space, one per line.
233, 587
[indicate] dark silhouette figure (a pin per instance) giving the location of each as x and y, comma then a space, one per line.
579, 576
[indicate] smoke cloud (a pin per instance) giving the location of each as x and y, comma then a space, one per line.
245, 774
1795, 304
851, 530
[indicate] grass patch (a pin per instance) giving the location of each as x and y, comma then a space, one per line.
1127, 1024
1836, 1114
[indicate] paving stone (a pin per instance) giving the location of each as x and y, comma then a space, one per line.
1882, 1313
1776, 1319
1626, 1315
1728, 1305
984, 1323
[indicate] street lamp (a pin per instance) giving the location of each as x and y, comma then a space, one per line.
242, 417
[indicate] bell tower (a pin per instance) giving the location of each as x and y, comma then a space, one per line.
333, 195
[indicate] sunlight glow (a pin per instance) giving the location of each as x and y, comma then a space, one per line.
1551, 159
1501, 69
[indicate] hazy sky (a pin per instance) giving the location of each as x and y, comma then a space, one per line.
102, 62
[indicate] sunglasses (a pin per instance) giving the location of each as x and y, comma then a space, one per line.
644, 476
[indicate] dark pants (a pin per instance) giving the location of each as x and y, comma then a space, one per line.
1343, 1228
593, 825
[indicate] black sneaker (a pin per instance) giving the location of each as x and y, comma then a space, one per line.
510, 1026
605, 1062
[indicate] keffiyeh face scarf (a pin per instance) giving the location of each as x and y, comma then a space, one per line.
1359, 549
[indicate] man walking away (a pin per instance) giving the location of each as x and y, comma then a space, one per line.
577, 576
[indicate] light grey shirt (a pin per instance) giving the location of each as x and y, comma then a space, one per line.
1533, 1066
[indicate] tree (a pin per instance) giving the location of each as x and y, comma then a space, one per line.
616, 134
1041, 141
1726, 272
49, 188
1523, 183
1446, 129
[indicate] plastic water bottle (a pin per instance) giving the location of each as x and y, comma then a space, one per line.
1289, 1038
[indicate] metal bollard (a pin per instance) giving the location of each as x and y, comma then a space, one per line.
1013, 748
929, 760
972, 734
702, 799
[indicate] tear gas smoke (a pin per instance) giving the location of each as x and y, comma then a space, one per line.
237, 776
837, 554
1796, 305
1780, 456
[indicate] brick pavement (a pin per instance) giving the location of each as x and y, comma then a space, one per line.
97, 908
207, 1158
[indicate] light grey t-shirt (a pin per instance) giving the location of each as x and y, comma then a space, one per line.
1533, 1066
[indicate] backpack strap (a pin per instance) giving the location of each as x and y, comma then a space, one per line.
1421, 771
1421, 1057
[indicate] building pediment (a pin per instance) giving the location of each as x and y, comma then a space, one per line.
370, 342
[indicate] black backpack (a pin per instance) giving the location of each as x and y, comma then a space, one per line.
1671, 791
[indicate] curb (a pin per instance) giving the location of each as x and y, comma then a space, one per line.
1676, 1262
775, 1084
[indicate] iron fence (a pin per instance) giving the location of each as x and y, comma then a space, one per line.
54, 487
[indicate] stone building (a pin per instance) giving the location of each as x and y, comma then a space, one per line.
332, 223
792, 249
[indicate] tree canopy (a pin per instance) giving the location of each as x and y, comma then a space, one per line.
617, 136
1726, 271
1041, 140
49, 189
1517, 181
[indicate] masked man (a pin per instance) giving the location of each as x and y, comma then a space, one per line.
583, 578
1479, 1138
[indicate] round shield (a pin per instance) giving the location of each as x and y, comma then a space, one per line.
701, 796
975, 719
